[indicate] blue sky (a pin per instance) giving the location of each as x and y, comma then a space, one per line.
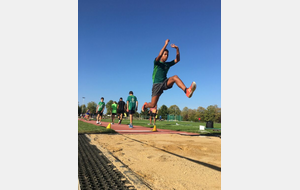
118, 41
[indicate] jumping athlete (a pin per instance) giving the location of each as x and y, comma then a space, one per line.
159, 76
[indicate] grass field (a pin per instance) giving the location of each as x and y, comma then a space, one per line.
90, 128
192, 127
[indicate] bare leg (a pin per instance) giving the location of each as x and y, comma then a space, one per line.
177, 80
153, 102
130, 118
171, 81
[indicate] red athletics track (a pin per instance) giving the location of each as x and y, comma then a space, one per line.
124, 129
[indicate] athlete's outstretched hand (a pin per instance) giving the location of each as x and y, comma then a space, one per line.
167, 41
174, 46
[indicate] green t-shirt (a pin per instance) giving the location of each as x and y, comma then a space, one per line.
114, 108
101, 106
131, 102
160, 71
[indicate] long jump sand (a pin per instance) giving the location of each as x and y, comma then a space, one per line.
168, 161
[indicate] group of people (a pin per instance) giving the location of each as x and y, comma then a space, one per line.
160, 84
119, 109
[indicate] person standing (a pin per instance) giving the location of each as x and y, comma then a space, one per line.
132, 105
113, 111
121, 108
153, 113
100, 108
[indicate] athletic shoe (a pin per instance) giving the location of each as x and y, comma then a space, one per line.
143, 107
190, 90
119, 122
130, 126
112, 123
149, 124
97, 122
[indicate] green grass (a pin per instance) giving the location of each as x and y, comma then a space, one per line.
88, 128
187, 126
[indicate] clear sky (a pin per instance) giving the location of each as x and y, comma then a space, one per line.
260, 61
118, 41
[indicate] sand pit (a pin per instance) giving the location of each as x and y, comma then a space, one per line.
168, 161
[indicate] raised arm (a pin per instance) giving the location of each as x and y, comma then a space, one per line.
162, 50
177, 53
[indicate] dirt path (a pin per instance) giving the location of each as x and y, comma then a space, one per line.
168, 161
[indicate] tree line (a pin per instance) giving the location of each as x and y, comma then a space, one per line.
211, 113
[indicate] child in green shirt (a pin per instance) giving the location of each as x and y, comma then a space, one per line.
113, 111
132, 105
99, 110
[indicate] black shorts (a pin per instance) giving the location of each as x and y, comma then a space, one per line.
100, 113
121, 112
131, 112
152, 114
158, 88
114, 114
